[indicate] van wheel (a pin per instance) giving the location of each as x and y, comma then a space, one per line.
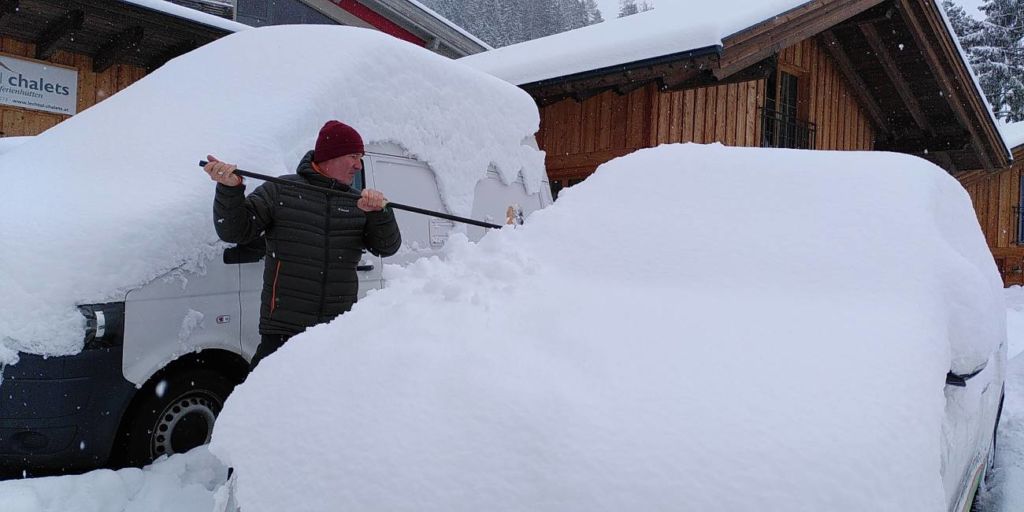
174, 415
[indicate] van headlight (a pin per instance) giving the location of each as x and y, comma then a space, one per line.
104, 325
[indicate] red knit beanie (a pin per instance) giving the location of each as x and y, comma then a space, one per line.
336, 139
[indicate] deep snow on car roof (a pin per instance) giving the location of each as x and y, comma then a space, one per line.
113, 197
696, 327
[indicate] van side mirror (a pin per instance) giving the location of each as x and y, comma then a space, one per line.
246, 253
960, 379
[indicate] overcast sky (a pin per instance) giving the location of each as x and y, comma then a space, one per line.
971, 6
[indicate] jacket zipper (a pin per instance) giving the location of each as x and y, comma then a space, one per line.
273, 290
327, 254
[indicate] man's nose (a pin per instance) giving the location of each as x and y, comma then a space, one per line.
359, 165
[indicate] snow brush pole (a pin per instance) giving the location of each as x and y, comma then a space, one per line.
352, 195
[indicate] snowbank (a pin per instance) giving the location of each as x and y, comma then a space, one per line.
724, 328
1015, 320
186, 482
85, 217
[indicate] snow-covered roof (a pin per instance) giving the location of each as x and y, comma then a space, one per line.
132, 204
1013, 133
450, 24
190, 14
618, 352
672, 27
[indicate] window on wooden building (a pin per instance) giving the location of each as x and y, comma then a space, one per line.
1017, 212
781, 122
562, 183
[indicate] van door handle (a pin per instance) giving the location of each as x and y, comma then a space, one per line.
364, 268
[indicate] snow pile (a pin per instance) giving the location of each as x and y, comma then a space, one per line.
182, 483
1004, 491
671, 28
9, 143
1015, 320
85, 218
700, 325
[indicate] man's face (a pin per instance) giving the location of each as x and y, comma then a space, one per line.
344, 168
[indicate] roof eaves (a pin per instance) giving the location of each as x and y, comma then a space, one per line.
715, 50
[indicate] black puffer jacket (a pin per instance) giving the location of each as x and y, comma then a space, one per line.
314, 242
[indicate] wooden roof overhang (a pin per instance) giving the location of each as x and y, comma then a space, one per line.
897, 56
109, 31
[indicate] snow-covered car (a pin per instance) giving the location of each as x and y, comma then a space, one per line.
691, 328
125, 321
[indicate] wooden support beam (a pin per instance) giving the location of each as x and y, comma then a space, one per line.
681, 79
860, 89
585, 94
625, 89
56, 32
172, 52
895, 76
941, 159
8, 7
767, 38
120, 45
949, 91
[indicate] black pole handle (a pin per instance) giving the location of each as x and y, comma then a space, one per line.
352, 195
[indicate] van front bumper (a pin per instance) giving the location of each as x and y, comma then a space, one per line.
61, 412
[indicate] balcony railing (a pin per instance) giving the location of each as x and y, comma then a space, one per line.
781, 131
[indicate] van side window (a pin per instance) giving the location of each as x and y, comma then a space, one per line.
360, 178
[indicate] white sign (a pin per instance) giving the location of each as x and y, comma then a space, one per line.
38, 86
439, 230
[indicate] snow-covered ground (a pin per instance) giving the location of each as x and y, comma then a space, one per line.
193, 482
189, 482
1005, 490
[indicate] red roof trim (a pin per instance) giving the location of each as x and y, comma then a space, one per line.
380, 22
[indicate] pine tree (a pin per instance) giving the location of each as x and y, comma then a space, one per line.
505, 22
998, 57
593, 13
627, 8
967, 28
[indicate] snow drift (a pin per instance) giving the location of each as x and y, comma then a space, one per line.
693, 326
113, 197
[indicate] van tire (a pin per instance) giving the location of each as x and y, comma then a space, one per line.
174, 420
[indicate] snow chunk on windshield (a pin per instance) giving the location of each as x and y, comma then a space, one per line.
720, 327
113, 197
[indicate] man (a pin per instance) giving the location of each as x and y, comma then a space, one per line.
314, 240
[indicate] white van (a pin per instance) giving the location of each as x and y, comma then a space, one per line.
148, 385
162, 354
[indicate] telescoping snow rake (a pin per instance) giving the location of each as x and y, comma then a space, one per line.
353, 195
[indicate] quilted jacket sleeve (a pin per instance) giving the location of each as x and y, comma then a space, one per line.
239, 219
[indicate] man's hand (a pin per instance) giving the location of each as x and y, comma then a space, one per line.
372, 201
222, 172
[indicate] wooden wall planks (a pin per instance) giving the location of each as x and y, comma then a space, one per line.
613, 124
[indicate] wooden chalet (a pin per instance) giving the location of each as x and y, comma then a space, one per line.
827, 74
830, 74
